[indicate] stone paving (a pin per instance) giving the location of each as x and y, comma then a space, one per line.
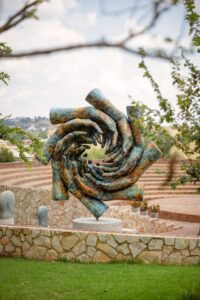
184, 204
186, 229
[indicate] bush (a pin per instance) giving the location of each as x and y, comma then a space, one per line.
6, 155
96, 152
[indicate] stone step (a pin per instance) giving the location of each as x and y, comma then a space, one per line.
162, 171
170, 193
24, 175
40, 177
45, 187
154, 176
160, 196
156, 179
161, 186
24, 170
41, 167
165, 165
149, 192
147, 185
171, 226
18, 164
168, 188
9, 175
30, 180
39, 185
177, 227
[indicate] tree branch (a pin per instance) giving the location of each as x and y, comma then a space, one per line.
157, 14
98, 44
177, 41
25, 12
19, 16
121, 11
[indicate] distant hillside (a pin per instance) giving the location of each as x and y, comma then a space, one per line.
36, 123
42, 127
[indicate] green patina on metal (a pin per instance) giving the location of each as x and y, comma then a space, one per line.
126, 156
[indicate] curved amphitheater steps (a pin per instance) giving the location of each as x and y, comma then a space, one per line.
40, 177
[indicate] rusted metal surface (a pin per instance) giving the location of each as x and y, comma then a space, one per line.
126, 155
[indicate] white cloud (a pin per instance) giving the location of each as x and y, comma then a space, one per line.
147, 40
80, 20
42, 34
91, 18
64, 79
56, 8
51, 9
132, 25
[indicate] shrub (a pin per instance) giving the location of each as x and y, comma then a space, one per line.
136, 204
154, 208
96, 152
144, 206
6, 155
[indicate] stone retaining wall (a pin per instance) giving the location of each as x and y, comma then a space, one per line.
28, 200
55, 244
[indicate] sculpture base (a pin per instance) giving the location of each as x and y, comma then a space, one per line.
103, 224
9, 221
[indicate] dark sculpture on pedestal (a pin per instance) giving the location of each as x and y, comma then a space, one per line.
7, 205
126, 156
43, 215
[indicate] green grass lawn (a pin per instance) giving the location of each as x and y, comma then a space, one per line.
26, 279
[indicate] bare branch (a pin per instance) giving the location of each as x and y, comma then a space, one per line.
24, 13
98, 44
121, 11
177, 41
157, 14
20, 15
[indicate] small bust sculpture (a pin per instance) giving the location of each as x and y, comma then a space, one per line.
42, 215
7, 204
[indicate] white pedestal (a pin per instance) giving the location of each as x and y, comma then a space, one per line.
103, 224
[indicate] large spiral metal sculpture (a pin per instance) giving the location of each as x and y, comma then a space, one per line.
126, 156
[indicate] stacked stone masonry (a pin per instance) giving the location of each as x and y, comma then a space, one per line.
57, 244
28, 200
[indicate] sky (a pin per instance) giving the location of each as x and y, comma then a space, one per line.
64, 79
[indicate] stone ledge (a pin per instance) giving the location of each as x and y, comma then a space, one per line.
56, 244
